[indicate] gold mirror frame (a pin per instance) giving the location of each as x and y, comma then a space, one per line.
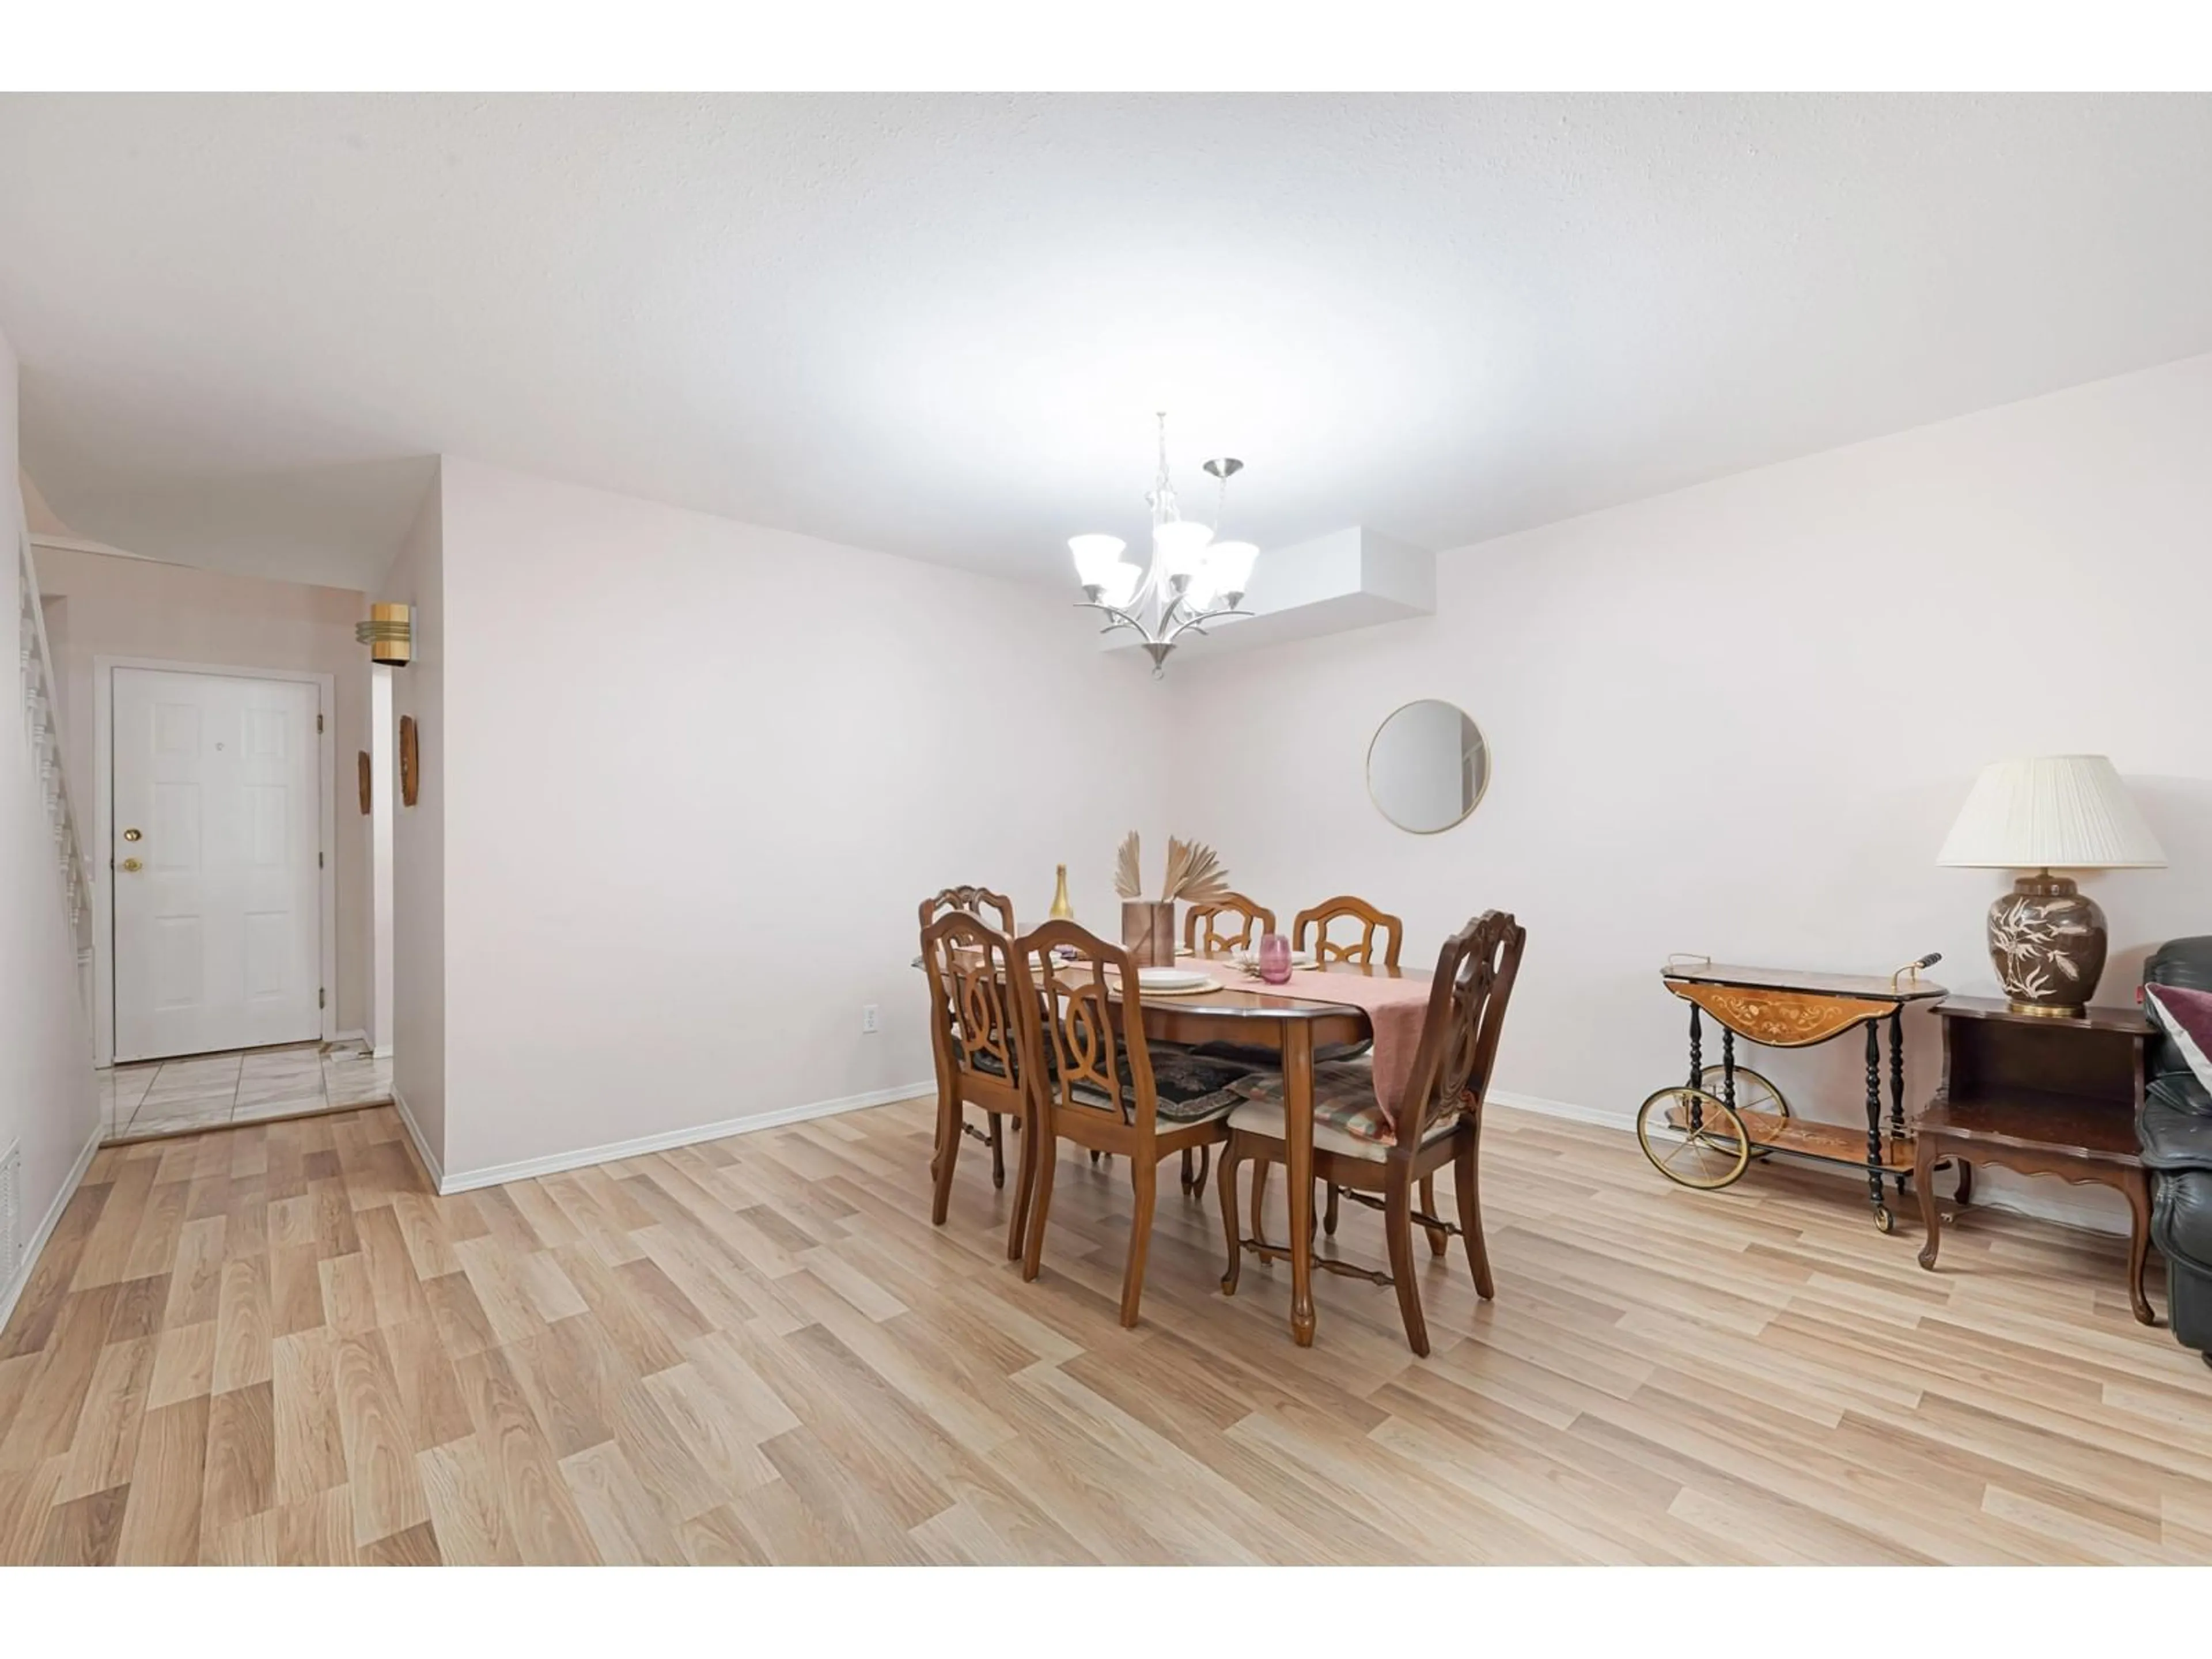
1481, 790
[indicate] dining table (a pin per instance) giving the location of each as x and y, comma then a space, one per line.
1294, 1023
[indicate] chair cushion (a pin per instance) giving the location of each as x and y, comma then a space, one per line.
1265, 1059
1270, 1059
1262, 1116
1344, 1106
1187, 1087
988, 1063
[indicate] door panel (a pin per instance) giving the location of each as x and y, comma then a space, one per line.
218, 936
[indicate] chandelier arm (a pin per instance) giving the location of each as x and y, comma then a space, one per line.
1197, 622
1116, 617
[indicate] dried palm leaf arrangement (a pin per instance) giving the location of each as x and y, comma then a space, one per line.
1193, 876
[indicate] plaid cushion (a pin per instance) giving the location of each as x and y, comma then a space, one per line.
1344, 1098
1187, 1087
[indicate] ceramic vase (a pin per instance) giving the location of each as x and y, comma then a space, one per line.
2047, 942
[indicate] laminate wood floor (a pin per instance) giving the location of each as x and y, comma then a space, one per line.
274, 1344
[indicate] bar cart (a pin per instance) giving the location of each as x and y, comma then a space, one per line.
1703, 1134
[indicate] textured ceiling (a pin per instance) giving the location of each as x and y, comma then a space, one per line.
939, 325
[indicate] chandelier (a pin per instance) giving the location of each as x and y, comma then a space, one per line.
1190, 581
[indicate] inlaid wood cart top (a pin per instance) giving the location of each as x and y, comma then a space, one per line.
1864, 988
1789, 1008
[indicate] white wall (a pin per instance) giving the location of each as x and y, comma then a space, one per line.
1738, 720
418, 836
47, 1099
126, 607
699, 773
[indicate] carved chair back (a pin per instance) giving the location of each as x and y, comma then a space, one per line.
1084, 1045
1202, 925
1354, 912
975, 1030
973, 899
1475, 971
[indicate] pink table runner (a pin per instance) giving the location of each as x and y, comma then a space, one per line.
1394, 1007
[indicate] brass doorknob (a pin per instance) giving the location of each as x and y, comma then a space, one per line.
131, 835
133, 865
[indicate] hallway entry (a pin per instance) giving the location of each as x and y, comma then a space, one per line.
217, 863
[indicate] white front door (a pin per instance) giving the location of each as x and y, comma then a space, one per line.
217, 798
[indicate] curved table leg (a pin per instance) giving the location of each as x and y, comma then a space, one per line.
1297, 1142
1923, 1183
2137, 1187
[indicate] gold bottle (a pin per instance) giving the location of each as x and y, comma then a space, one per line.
1062, 910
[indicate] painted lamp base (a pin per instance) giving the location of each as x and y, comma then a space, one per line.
2047, 942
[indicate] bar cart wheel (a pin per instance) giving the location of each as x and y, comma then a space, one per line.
1692, 1137
1884, 1222
1755, 1092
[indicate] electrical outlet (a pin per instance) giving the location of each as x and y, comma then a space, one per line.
871, 1020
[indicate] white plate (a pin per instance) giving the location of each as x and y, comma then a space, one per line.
1171, 979
1251, 959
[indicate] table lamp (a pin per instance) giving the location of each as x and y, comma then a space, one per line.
2046, 940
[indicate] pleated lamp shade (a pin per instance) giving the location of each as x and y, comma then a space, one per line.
2057, 811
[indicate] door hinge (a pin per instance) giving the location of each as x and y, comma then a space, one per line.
319, 860
318, 722
320, 998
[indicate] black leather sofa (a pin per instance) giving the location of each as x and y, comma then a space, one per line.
2175, 1134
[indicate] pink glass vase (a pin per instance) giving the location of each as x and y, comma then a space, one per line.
1274, 959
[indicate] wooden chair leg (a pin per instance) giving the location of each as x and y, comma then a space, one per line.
1048, 1157
1144, 1176
998, 1151
947, 1156
1259, 1197
1398, 1224
1328, 1212
1465, 1183
1205, 1164
1024, 1192
1225, 1179
1439, 1239
1189, 1167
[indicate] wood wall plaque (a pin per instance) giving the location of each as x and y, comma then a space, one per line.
411, 769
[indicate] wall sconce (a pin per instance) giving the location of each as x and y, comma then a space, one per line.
389, 634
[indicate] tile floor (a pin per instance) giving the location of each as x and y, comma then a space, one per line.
179, 1096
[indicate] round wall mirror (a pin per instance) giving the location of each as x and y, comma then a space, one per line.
1427, 767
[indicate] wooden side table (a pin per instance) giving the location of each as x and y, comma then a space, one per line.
2043, 1095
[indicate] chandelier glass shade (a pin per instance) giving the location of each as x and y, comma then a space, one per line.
1189, 581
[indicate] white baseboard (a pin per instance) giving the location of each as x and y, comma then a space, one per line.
2021, 1200
1566, 1108
427, 1158
12, 1291
468, 1179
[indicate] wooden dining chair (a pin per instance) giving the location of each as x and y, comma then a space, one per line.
1345, 907
974, 899
1100, 1084
977, 1037
1439, 1122
1360, 952
1201, 925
